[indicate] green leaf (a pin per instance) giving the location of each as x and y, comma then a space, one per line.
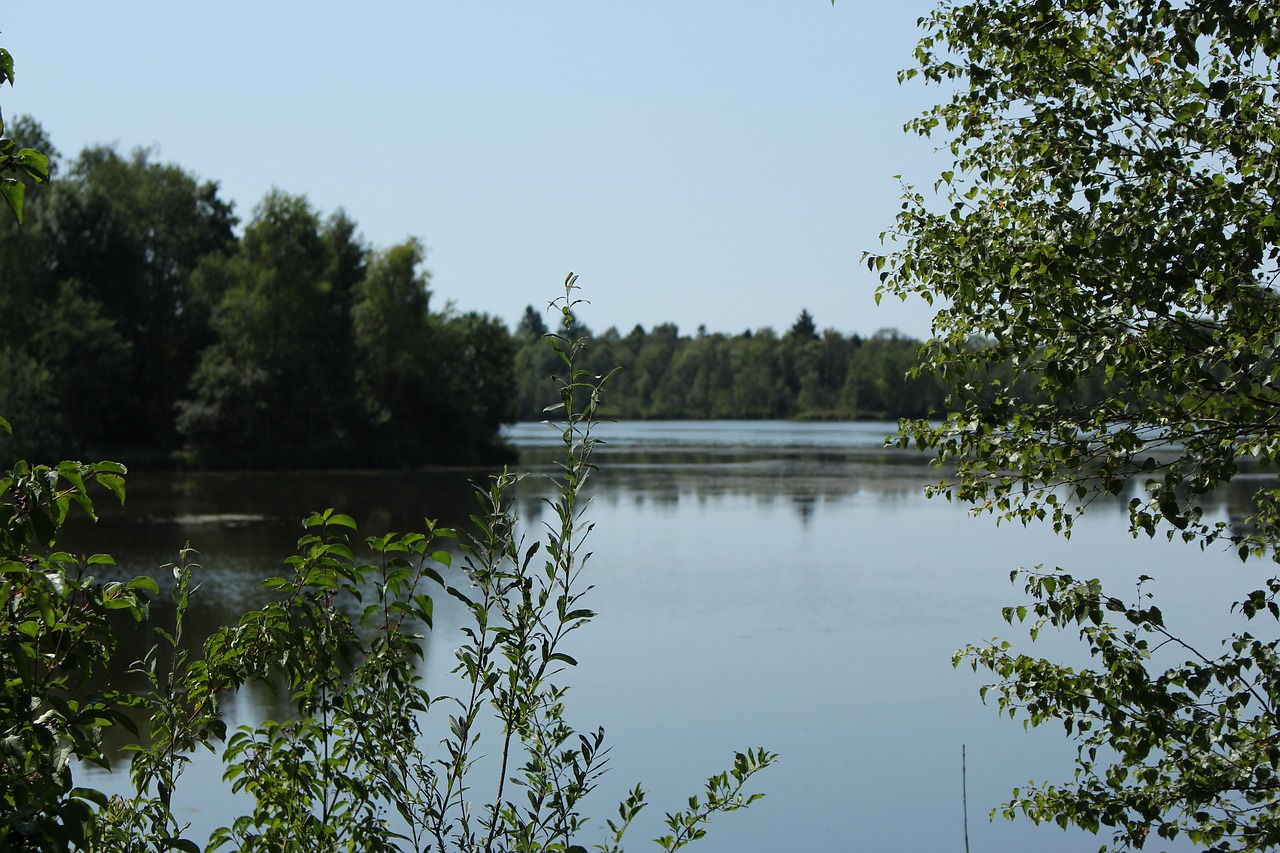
183, 844
14, 191
112, 483
145, 583
34, 164
45, 607
42, 525
93, 795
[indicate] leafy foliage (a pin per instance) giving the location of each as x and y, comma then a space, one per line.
355, 765
56, 638
26, 165
1173, 739
1109, 230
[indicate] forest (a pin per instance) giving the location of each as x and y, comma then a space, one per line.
757, 374
167, 339
141, 326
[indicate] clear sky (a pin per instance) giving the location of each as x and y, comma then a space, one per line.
717, 162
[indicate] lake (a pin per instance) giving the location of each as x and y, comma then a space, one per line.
783, 585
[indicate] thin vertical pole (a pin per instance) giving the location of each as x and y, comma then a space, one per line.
964, 794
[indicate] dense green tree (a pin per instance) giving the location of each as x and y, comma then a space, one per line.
262, 391
1110, 230
804, 327
433, 385
30, 394
392, 336
758, 390
348, 265
801, 353
114, 242
532, 327
138, 325
712, 391
132, 233
82, 351
477, 357
60, 372
833, 366
652, 361
879, 380
628, 386
329, 354
682, 385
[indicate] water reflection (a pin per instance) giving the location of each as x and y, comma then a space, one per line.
243, 525
660, 464
783, 585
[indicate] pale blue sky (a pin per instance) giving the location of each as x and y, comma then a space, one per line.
718, 162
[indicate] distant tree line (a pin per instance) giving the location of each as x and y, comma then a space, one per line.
140, 326
754, 375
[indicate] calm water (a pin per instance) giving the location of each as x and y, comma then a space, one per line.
759, 584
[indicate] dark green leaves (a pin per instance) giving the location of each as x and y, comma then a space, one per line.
27, 163
723, 794
1107, 229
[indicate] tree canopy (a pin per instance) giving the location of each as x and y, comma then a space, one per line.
144, 328
1109, 228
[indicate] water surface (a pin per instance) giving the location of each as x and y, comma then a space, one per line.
759, 584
